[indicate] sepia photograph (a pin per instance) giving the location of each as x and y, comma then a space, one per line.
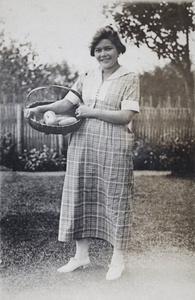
97, 150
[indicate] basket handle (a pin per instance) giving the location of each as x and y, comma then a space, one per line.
54, 85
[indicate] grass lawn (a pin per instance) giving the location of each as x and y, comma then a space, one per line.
30, 204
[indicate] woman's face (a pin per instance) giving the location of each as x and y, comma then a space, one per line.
106, 54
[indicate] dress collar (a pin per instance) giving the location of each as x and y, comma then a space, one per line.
118, 73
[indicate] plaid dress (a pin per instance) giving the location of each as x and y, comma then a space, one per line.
98, 188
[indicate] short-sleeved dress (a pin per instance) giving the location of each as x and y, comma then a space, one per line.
98, 187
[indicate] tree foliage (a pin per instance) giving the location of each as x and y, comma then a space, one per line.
163, 26
163, 87
20, 71
60, 74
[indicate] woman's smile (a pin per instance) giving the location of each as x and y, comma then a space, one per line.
107, 55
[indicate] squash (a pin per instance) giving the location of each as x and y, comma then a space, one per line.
67, 121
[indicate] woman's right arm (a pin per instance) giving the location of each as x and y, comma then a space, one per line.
59, 107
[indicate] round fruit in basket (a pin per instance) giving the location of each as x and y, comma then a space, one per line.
50, 118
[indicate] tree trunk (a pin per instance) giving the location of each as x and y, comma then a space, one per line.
189, 86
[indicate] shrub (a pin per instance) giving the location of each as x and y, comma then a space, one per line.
44, 160
182, 157
149, 157
168, 154
8, 152
33, 160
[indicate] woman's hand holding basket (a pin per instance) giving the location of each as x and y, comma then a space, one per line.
31, 113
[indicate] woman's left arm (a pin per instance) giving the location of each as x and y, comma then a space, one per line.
119, 117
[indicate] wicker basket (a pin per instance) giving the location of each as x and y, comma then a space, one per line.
53, 129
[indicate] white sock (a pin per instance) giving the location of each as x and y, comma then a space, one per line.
117, 257
81, 249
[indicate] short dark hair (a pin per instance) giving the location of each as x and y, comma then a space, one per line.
110, 34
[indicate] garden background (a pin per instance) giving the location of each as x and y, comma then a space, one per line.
160, 263
163, 131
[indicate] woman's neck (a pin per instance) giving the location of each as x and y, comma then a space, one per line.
108, 72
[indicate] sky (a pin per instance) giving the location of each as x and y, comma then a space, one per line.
61, 30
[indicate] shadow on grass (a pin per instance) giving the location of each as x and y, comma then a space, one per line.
31, 240
28, 238
29, 226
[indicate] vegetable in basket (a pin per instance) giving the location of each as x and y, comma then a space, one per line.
50, 118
